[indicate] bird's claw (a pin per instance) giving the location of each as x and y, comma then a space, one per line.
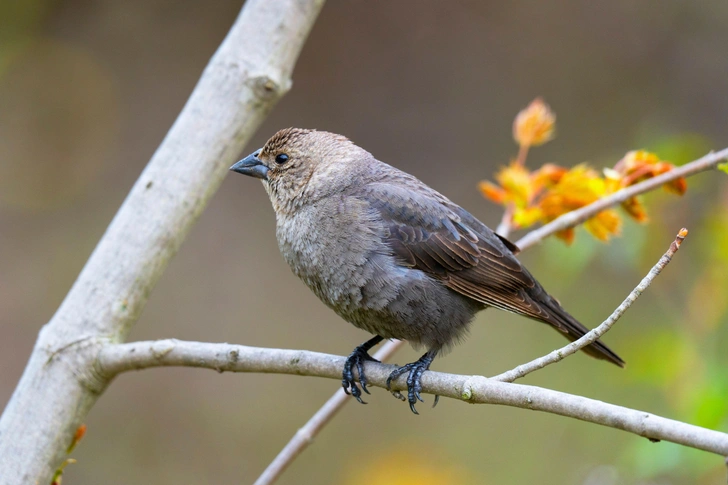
398, 395
356, 360
414, 381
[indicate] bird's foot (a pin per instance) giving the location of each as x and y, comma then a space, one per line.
356, 361
414, 384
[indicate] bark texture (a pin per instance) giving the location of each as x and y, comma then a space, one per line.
245, 78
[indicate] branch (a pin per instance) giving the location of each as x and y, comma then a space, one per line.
597, 332
305, 435
114, 359
578, 216
505, 226
245, 78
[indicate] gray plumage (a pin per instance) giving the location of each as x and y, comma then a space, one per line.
388, 253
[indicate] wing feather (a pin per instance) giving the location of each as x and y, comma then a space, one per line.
426, 231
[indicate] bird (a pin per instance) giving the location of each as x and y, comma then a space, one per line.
391, 255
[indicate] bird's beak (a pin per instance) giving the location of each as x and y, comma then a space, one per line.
252, 166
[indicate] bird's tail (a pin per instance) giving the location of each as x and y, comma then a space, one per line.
573, 330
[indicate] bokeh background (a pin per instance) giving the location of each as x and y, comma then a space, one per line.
89, 88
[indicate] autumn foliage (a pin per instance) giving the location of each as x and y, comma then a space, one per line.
542, 195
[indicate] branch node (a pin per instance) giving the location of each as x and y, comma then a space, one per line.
678, 240
265, 88
468, 390
304, 435
161, 349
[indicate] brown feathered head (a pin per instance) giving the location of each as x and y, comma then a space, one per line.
298, 166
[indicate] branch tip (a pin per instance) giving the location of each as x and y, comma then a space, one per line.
677, 242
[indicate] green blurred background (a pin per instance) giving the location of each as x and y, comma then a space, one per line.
89, 88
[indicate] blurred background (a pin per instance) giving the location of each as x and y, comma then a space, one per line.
88, 90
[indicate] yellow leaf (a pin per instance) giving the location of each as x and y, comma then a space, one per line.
534, 125
528, 216
612, 180
578, 187
605, 224
516, 181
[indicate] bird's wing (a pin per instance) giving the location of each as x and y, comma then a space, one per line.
428, 232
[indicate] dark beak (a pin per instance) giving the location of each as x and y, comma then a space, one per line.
252, 166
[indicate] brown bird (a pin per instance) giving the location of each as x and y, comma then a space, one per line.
391, 255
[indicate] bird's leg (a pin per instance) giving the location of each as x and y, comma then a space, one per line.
414, 384
357, 359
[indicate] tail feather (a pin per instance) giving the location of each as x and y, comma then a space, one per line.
573, 330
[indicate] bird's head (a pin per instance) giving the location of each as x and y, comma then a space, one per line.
299, 166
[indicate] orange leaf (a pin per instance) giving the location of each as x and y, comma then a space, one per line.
77, 436
639, 165
491, 191
549, 174
635, 209
567, 235
634, 160
534, 125
677, 186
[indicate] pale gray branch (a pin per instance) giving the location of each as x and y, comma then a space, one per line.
243, 81
597, 332
114, 359
578, 216
505, 226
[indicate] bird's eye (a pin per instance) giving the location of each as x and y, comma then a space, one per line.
281, 158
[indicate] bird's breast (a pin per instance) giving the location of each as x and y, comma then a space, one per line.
333, 247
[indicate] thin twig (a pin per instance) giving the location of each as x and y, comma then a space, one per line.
522, 154
597, 332
506, 224
578, 216
305, 435
116, 358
